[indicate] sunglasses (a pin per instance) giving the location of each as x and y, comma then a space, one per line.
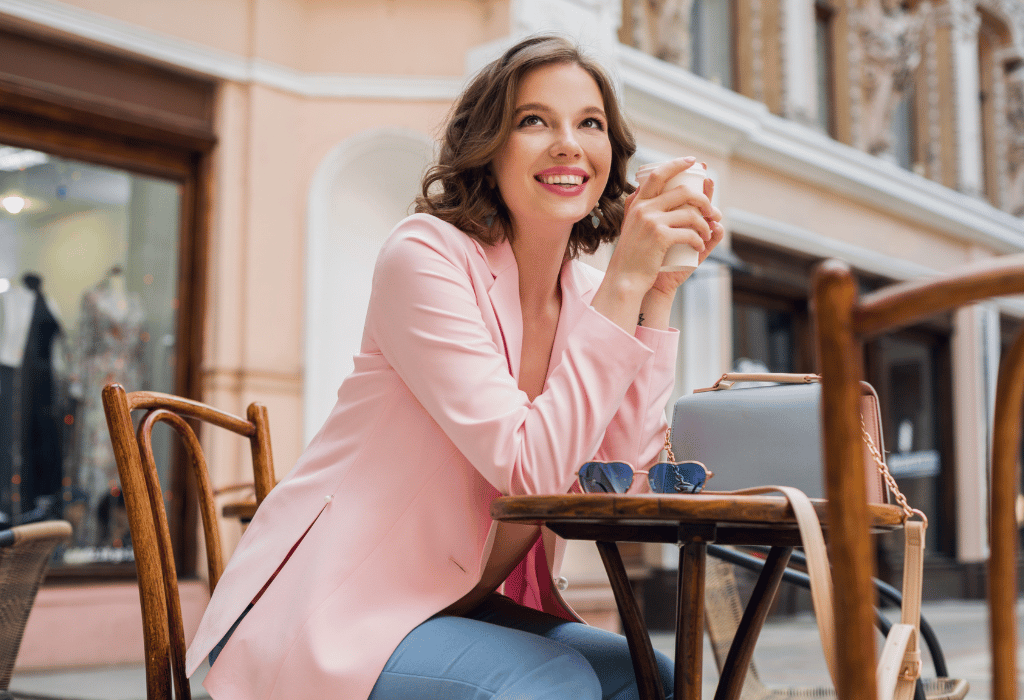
663, 477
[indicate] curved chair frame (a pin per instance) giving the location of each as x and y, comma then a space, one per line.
842, 322
163, 627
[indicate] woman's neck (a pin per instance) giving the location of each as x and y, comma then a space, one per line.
539, 258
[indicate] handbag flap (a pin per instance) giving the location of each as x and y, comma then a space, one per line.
766, 434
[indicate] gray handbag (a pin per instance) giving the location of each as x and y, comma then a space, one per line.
749, 433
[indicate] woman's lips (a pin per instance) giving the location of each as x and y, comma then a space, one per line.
564, 190
564, 181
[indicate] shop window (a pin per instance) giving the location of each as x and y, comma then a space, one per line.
694, 34
912, 373
770, 318
824, 18
104, 183
89, 294
711, 40
903, 131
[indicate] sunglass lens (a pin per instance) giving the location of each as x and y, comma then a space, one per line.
682, 477
605, 477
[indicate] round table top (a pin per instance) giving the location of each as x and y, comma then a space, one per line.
726, 511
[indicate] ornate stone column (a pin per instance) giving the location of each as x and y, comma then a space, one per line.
1014, 139
887, 42
661, 28
962, 19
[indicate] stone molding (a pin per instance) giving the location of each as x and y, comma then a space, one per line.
105, 30
674, 103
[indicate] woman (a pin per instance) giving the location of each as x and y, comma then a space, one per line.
491, 363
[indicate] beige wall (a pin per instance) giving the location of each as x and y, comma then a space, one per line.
339, 36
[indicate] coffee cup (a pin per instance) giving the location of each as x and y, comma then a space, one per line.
679, 256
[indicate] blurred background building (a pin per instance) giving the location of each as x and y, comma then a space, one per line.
193, 195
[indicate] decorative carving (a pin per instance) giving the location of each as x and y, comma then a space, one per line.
661, 28
1015, 142
890, 38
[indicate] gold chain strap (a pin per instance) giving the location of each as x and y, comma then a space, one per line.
668, 444
883, 469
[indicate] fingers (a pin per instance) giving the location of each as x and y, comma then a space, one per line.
655, 182
689, 218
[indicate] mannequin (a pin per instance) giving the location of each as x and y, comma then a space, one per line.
29, 368
111, 347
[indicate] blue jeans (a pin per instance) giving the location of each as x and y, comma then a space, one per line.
504, 651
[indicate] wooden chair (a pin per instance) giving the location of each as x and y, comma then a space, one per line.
163, 629
25, 552
842, 322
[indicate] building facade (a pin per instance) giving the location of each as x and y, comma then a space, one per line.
194, 195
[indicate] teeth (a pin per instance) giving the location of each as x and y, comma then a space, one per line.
562, 179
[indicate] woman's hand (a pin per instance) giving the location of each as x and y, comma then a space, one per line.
654, 221
668, 282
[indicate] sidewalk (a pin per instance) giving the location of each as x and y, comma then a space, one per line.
788, 653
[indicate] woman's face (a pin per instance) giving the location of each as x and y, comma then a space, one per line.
555, 164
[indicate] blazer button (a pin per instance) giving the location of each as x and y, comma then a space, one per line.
561, 583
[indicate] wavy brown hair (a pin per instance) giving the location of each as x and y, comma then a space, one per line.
459, 187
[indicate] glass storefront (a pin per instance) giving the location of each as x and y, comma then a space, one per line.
88, 295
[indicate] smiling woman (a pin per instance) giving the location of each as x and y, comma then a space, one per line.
503, 363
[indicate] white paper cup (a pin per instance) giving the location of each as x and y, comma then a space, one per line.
679, 256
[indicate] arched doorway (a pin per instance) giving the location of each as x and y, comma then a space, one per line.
362, 188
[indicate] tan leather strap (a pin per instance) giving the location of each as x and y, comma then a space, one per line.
899, 666
908, 659
817, 565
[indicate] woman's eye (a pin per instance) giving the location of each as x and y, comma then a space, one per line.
592, 123
531, 120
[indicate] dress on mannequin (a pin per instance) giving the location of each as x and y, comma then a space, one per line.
111, 349
41, 464
30, 448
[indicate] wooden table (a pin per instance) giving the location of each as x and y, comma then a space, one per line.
692, 522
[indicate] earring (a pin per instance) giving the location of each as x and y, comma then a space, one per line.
595, 215
489, 218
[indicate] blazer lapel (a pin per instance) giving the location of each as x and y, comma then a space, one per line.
504, 296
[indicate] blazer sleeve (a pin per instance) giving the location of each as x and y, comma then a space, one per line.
425, 316
636, 434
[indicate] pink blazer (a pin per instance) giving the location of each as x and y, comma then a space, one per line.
393, 493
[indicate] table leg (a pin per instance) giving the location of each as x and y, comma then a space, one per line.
640, 649
690, 620
734, 671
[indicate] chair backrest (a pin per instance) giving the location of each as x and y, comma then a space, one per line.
163, 629
24, 557
842, 322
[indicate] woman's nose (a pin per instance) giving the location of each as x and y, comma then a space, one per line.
565, 144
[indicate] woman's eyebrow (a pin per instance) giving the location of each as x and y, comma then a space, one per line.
539, 107
532, 107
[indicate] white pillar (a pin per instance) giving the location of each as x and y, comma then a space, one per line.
703, 315
965, 21
799, 55
971, 413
